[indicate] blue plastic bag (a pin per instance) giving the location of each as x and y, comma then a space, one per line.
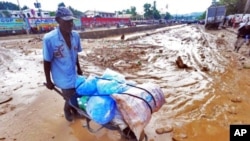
88, 87
113, 75
79, 80
107, 87
101, 109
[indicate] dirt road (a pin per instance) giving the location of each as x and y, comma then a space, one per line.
203, 98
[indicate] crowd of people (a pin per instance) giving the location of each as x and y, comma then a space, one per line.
240, 23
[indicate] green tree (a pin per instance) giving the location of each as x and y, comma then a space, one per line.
133, 10
134, 15
167, 16
151, 12
75, 12
235, 6
156, 13
8, 6
202, 16
53, 13
148, 13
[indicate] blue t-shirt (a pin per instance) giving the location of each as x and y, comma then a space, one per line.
63, 59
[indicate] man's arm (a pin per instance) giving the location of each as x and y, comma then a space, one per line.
79, 71
47, 68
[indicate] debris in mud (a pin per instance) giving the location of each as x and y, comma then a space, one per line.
202, 56
6, 100
160, 51
6, 108
36, 39
2, 112
220, 41
221, 35
180, 63
242, 58
246, 65
116, 58
179, 137
164, 130
122, 37
232, 110
204, 43
187, 39
236, 99
205, 69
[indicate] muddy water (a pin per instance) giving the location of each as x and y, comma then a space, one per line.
201, 100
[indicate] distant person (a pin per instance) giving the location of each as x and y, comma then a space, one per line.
243, 36
60, 54
230, 22
225, 20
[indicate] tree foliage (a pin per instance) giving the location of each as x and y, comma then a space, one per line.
75, 12
133, 10
151, 12
203, 16
235, 6
148, 13
8, 6
167, 16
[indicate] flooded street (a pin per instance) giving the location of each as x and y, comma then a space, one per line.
204, 95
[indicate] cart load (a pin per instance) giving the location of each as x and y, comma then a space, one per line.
111, 99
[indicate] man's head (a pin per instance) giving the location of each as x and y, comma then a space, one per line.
64, 18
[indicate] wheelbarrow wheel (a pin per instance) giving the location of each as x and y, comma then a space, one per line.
129, 135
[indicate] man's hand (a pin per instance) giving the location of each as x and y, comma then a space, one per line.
50, 85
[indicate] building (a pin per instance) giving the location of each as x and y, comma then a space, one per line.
31, 13
94, 13
27, 13
124, 16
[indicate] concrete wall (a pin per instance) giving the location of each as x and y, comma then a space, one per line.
118, 31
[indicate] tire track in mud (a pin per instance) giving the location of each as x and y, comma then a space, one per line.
189, 52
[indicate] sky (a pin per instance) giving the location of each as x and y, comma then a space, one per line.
171, 6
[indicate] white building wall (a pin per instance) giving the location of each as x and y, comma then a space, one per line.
28, 14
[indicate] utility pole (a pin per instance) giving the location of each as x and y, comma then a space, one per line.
20, 10
154, 10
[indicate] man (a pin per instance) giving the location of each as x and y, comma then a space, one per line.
242, 37
60, 54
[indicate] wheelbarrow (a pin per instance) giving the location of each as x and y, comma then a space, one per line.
127, 133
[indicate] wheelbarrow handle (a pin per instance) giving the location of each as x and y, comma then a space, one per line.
55, 89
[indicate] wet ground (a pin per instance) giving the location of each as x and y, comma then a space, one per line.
203, 97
